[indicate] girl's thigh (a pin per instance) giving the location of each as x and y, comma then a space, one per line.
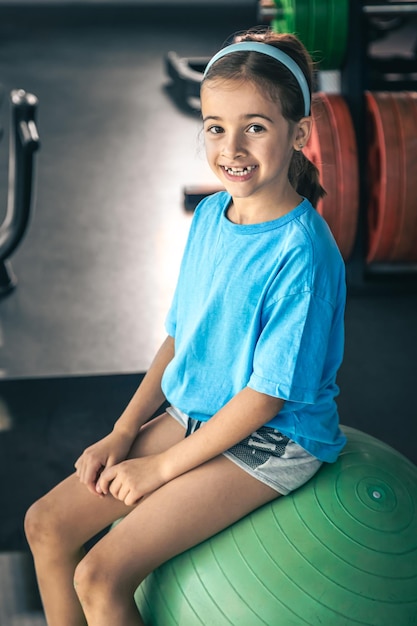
177, 516
76, 514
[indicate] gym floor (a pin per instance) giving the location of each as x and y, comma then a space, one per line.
97, 268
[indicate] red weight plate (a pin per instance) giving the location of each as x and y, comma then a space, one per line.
392, 163
384, 175
332, 147
320, 151
347, 172
405, 241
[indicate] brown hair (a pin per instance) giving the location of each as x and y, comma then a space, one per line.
279, 83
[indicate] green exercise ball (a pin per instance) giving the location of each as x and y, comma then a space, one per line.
341, 550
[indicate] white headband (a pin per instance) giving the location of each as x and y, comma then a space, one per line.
275, 53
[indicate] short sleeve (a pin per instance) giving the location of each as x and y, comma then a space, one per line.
292, 349
171, 318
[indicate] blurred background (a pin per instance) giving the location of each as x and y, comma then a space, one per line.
101, 166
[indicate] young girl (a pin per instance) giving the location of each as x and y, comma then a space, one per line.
255, 339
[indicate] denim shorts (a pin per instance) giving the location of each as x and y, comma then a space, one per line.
266, 454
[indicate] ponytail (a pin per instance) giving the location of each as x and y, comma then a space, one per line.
304, 177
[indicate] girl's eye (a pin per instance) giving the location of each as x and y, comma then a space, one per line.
215, 130
255, 128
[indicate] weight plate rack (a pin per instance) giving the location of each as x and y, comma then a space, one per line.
364, 143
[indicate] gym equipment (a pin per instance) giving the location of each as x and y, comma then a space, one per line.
323, 25
23, 142
1, 102
391, 161
323, 28
193, 194
341, 550
186, 74
332, 148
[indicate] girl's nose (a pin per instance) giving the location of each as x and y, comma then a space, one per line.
233, 146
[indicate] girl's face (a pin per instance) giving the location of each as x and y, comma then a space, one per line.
249, 144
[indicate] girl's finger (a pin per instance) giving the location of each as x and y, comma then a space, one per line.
106, 477
116, 489
131, 499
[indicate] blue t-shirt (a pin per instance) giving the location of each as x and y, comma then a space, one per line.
260, 305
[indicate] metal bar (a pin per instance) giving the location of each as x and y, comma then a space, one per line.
268, 11
24, 141
390, 9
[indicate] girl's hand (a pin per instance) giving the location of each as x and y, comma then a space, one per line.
105, 453
131, 480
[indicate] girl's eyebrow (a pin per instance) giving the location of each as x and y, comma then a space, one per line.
248, 116
211, 117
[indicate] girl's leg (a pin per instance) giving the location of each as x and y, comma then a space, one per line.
59, 524
177, 516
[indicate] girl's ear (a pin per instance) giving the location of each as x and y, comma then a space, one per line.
303, 132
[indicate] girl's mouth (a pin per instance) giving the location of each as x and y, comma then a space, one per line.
238, 172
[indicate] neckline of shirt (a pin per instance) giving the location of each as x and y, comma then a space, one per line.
251, 229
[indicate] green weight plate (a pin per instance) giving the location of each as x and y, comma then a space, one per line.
338, 31
285, 21
321, 39
322, 25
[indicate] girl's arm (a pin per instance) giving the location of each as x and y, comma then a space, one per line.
241, 416
149, 396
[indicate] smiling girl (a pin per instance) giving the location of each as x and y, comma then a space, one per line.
254, 342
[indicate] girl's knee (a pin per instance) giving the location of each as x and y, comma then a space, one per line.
83, 580
42, 524
34, 523
93, 583
98, 586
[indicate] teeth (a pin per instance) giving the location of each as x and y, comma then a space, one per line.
239, 171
